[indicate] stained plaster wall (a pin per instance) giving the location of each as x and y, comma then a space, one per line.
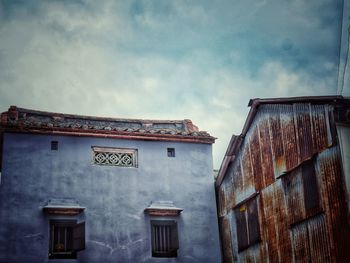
117, 230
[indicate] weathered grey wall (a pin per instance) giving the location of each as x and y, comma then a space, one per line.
117, 230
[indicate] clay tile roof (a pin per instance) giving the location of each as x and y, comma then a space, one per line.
32, 121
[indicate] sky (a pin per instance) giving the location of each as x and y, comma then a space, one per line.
177, 59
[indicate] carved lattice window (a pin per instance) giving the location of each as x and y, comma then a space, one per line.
115, 156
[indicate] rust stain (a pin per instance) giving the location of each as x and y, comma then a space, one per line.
226, 240
329, 163
279, 162
290, 143
247, 167
256, 159
265, 152
303, 124
293, 188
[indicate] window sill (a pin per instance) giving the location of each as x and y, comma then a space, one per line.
249, 246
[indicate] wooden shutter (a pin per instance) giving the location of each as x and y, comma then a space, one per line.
311, 195
79, 237
242, 231
253, 222
165, 240
174, 236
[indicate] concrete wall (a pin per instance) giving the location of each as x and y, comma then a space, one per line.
117, 230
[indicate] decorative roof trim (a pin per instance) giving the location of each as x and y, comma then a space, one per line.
39, 122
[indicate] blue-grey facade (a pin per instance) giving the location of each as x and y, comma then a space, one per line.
116, 227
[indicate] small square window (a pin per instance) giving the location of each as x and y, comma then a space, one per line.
165, 241
171, 152
66, 239
54, 145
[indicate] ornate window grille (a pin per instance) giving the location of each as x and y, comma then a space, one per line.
114, 156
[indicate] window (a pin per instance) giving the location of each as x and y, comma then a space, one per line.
302, 193
311, 195
114, 156
66, 239
165, 241
54, 145
247, 222
171, 152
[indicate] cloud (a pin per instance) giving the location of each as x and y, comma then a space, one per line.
165, 60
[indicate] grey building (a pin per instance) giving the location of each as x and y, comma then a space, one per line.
88, 189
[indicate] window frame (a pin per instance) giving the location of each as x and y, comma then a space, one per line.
302, 192
247, 223
172, 238
77, 238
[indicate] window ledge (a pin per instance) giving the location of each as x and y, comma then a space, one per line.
163, 208
63, 207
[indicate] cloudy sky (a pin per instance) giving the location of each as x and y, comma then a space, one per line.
176, 59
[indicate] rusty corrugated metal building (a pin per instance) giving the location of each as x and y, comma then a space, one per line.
281, 190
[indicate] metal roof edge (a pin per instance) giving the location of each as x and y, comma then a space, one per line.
301, 99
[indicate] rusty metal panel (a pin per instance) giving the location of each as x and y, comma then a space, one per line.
226, 240
265, 149
293, 188
269, 234
242, 231
275, 222
248, 177
290, 143
237, 180
251, 255
310, 185
221, 197
228, 193
277, 146
256, 158
253, 221
331, 126
319, 126
303, 130
334, 202
301, 243
311, 240
318, 239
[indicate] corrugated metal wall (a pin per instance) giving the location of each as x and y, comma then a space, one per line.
290, 165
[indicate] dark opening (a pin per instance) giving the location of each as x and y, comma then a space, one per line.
54, 145
171, 152
247, 222
61, 240
165, 241
311, 195
66, 238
